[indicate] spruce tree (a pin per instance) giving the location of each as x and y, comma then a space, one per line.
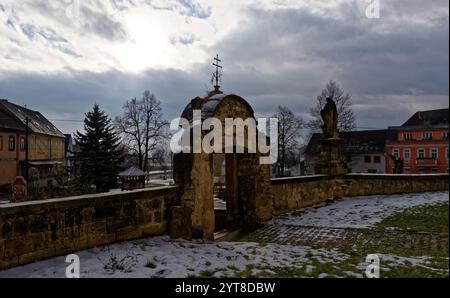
100, 155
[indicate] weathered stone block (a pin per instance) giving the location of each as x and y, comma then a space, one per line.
98, 227
16, 246
114, 224
154, 229
157, 217
68, 245
37, 255
180, 225
87, 214
100, 239
156, 204
10, 262
129, 233
104, 211
2, 248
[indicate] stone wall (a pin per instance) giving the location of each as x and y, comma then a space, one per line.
37, 230
373, 184
299, 192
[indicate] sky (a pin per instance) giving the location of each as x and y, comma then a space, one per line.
60, 57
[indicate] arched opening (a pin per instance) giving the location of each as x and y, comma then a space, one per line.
222, 190
233, 190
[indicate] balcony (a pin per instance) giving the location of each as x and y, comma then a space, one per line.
426, 161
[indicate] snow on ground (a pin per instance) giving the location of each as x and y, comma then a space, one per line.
359, 212
161, 257
219, 204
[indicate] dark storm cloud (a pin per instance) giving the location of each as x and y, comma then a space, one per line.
52, 38
194, 9
190, 8
392, 66
102, 25
287, 56
93, 16
69, 96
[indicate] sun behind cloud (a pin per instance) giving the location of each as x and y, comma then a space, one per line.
147, 46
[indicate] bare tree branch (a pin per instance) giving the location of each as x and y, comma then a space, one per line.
346, 120
142, 125
289, 126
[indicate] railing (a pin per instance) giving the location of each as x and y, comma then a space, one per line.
426, 161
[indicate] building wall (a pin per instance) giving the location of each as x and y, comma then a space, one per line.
356, 163
45, 148
7, 167
367, 163
40, 147
310, 164
44, 229
411, 148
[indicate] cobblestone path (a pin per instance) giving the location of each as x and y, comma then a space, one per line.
350, 238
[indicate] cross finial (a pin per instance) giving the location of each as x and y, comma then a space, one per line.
217, 75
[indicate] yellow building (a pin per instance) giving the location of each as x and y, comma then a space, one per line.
45, 144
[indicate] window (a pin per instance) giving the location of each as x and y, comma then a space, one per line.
407, 154
447, 155
407, 136
407, 170
445, 135
396, 153
427, 136
1, 143
421, 153
12, 143
367, 159
22, 144
434, 153
371, 171
377, 159
421, 171
434, 170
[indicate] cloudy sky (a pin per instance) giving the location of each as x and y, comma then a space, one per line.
60, 57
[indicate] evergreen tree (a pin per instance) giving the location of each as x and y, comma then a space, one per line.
101, 154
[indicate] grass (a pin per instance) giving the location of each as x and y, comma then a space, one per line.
428, 219
423, 219
350, 268
150, 265
207, 274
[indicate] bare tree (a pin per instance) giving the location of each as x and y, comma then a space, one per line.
289, 126
142, 127
346, 120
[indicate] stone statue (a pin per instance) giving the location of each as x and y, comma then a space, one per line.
331, 159
330, 120
398, 164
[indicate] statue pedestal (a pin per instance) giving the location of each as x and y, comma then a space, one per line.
331, 159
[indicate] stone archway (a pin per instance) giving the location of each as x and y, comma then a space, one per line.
248, 196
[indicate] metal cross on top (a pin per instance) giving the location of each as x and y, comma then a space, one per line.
217, 75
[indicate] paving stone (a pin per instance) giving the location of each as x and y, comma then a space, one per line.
345, 238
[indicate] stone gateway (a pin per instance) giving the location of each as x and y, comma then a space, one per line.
247, 194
